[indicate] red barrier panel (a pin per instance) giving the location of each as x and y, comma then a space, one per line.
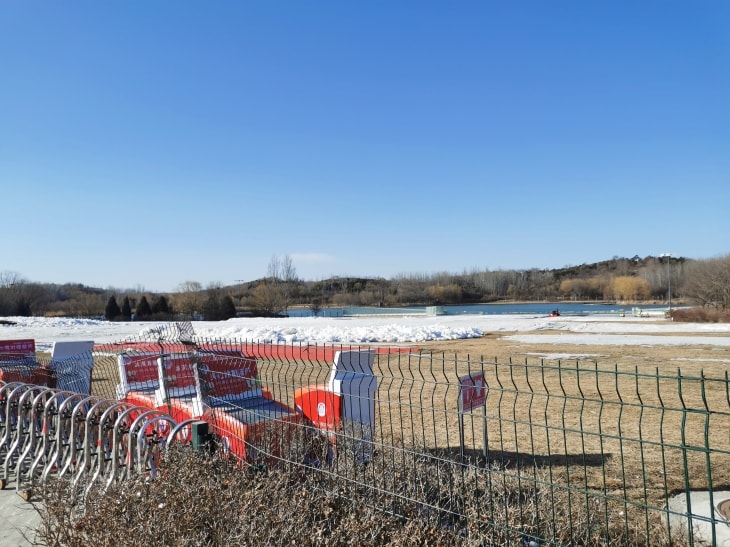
226, 393
18, 363
21, 349
313, 352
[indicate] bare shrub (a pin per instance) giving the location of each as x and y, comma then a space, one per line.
701, 315
329, 494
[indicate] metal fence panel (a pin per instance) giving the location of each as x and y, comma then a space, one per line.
560, 453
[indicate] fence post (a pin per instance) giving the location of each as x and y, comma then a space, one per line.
200, 434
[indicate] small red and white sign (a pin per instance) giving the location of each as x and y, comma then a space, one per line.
178, 372
18, 348
472, 392
138, 371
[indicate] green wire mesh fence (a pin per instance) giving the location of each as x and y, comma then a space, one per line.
556, 453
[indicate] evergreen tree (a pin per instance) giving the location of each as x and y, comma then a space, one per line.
126, 309
112, 311
143, 308
227, 308
160, 305
211, 309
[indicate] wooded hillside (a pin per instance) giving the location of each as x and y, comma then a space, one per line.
626, 280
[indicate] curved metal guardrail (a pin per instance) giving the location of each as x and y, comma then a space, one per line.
47, 432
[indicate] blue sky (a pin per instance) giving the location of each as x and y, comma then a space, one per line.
143, 144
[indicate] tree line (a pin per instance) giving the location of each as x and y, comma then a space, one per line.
215, 307
705, 283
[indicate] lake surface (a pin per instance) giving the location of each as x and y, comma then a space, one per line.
534, 308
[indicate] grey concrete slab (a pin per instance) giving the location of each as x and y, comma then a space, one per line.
704, 517
18, 519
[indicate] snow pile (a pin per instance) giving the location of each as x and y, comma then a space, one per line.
589, 330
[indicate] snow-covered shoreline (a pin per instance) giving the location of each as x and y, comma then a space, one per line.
596, 330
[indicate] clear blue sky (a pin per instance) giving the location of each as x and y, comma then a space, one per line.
147, 143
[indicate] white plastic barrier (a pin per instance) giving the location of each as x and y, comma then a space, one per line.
73, 362
352, 379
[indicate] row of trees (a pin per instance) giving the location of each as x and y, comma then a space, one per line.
702, 282
215, 307
143, 310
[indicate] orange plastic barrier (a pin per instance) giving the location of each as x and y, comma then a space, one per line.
320, 405
226, 393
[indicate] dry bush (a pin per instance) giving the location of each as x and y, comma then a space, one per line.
203, 499
701, 315
357, 493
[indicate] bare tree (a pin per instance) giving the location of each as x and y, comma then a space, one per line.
20, 297
190, 298
282, 278
190, 286
88, 305
629, 288
282, 269
268, 298
708, 283
10, 279
273, 269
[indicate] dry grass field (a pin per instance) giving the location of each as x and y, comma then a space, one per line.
631, 407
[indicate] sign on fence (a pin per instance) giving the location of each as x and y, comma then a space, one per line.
18, 348
17, 361
472, 394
